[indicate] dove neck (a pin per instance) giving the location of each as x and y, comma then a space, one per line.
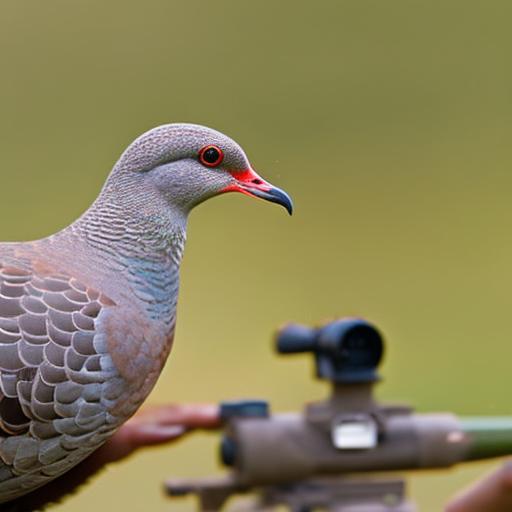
133, 220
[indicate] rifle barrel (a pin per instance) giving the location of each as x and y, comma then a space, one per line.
489, 437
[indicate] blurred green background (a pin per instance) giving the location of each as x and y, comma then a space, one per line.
388, 122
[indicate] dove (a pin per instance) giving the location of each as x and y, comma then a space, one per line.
87, 315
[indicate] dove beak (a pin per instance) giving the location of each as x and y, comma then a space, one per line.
250, 183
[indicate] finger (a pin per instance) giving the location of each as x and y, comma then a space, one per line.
188, 415
150, 434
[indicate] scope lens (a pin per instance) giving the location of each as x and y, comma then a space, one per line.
361, 347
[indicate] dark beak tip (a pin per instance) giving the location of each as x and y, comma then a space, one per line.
274, 195
279, 196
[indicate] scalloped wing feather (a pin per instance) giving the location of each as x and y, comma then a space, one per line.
57, 380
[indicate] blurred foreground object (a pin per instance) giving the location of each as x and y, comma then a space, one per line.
313, 459
492, 493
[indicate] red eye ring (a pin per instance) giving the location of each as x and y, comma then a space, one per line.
211, 155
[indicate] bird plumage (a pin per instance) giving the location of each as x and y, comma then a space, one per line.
87, 315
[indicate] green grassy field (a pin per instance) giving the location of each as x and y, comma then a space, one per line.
388, 123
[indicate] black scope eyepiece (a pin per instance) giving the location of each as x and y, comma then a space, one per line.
346, 351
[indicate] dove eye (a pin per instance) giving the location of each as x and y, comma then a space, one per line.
211, 156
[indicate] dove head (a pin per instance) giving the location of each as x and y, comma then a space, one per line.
189, 163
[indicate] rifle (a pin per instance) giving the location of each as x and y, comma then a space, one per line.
332, 455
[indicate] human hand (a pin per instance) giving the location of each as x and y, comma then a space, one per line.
493, 493
155, 425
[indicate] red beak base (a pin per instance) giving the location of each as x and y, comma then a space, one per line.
250, 183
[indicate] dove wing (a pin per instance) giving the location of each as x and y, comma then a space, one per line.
54, 365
